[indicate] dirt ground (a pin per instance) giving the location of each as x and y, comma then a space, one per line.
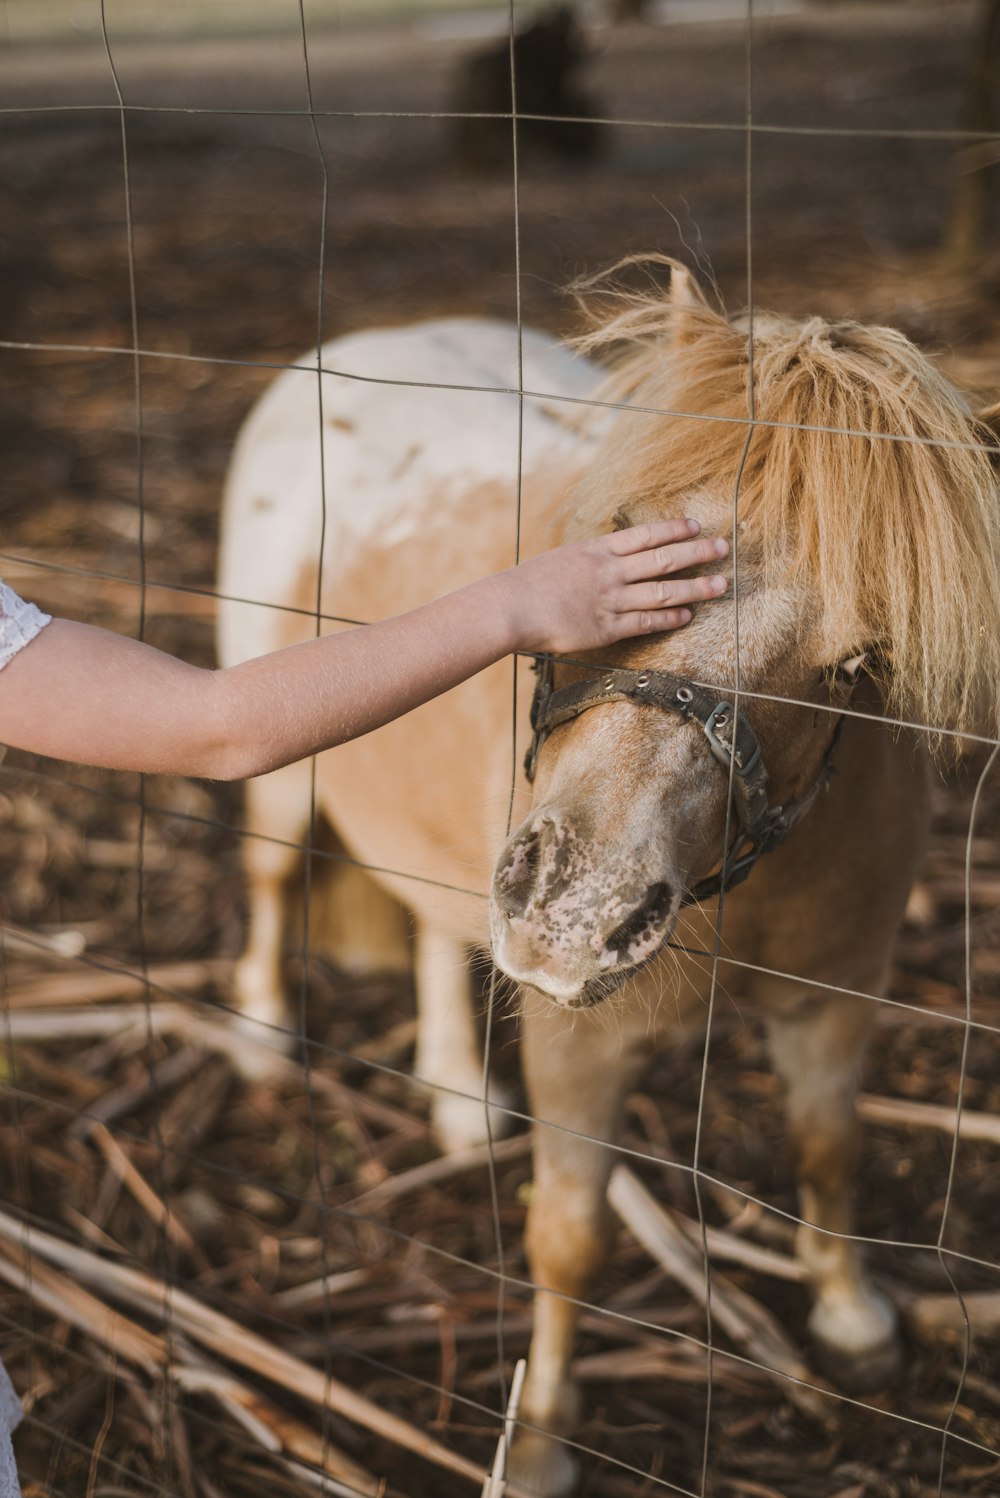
852, 181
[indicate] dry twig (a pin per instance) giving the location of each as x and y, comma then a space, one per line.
753, 1329
891, 1110
227, 1339
139, 1188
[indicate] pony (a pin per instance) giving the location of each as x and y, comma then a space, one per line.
680, 819
548, 55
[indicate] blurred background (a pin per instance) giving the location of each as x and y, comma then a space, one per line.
873, 194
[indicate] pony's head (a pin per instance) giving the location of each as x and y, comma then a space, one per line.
860, 497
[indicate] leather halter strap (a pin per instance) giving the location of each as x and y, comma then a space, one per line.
733, 742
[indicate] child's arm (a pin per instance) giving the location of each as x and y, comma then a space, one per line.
86, 695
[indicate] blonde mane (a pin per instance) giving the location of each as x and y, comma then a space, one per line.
867, 479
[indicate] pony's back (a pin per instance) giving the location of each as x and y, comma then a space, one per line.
408, 416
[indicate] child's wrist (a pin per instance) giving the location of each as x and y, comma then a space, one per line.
507, 603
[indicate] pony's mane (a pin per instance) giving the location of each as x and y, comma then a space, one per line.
867, 479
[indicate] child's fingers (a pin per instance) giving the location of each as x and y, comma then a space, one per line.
653, 533
670, 593
658, 560
648, 622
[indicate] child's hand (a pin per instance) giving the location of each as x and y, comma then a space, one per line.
613, 588
129, 707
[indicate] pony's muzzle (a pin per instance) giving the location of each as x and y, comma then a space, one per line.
564, 924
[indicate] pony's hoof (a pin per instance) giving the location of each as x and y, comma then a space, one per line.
859, 1373
460, 1122
542, 1465
858, 1345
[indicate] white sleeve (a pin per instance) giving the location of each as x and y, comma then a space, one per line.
20, 622
10, 1416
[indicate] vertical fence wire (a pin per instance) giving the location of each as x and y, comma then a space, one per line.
956, 1136
491, 995
305, 953
166, 1253
731, 773
20, 1172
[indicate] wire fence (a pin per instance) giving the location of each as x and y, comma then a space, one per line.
172, 1336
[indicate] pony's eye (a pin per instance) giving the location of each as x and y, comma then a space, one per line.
620, 520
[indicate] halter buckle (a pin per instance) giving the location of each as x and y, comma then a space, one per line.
723, 715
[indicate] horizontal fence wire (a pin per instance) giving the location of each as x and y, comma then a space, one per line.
44, 947
589, 402
748, 130
325, 1340
665, 1164
718, 127
218, 1298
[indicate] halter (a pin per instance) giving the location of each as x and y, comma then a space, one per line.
733, 743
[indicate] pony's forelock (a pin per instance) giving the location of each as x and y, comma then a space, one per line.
866, 479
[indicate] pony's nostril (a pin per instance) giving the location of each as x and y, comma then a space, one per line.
640, 935
517, 877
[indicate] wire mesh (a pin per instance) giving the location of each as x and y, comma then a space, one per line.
315, 1200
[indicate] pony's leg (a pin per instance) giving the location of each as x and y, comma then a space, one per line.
817, 1047
277, 814
449, 1055
578, 1075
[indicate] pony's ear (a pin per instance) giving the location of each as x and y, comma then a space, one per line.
849, 670
686, 301
990, 419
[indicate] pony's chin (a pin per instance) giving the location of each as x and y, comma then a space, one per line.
596, 990
624, 958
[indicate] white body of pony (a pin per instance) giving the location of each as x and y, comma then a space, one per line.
887, 544
403, 461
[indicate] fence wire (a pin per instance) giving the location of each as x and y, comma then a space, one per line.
506, 1284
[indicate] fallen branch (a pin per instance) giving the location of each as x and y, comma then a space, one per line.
625, 1364
86, 1024
433, 1172
153, 1083
66, 943
68, 1301
317, 1292
495, 1485
237, 1344
891, 1110
275, 1429
127, 1342
753, 1329
933, 1316
104, 984
732, 1250
142, 1193
222, 1036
